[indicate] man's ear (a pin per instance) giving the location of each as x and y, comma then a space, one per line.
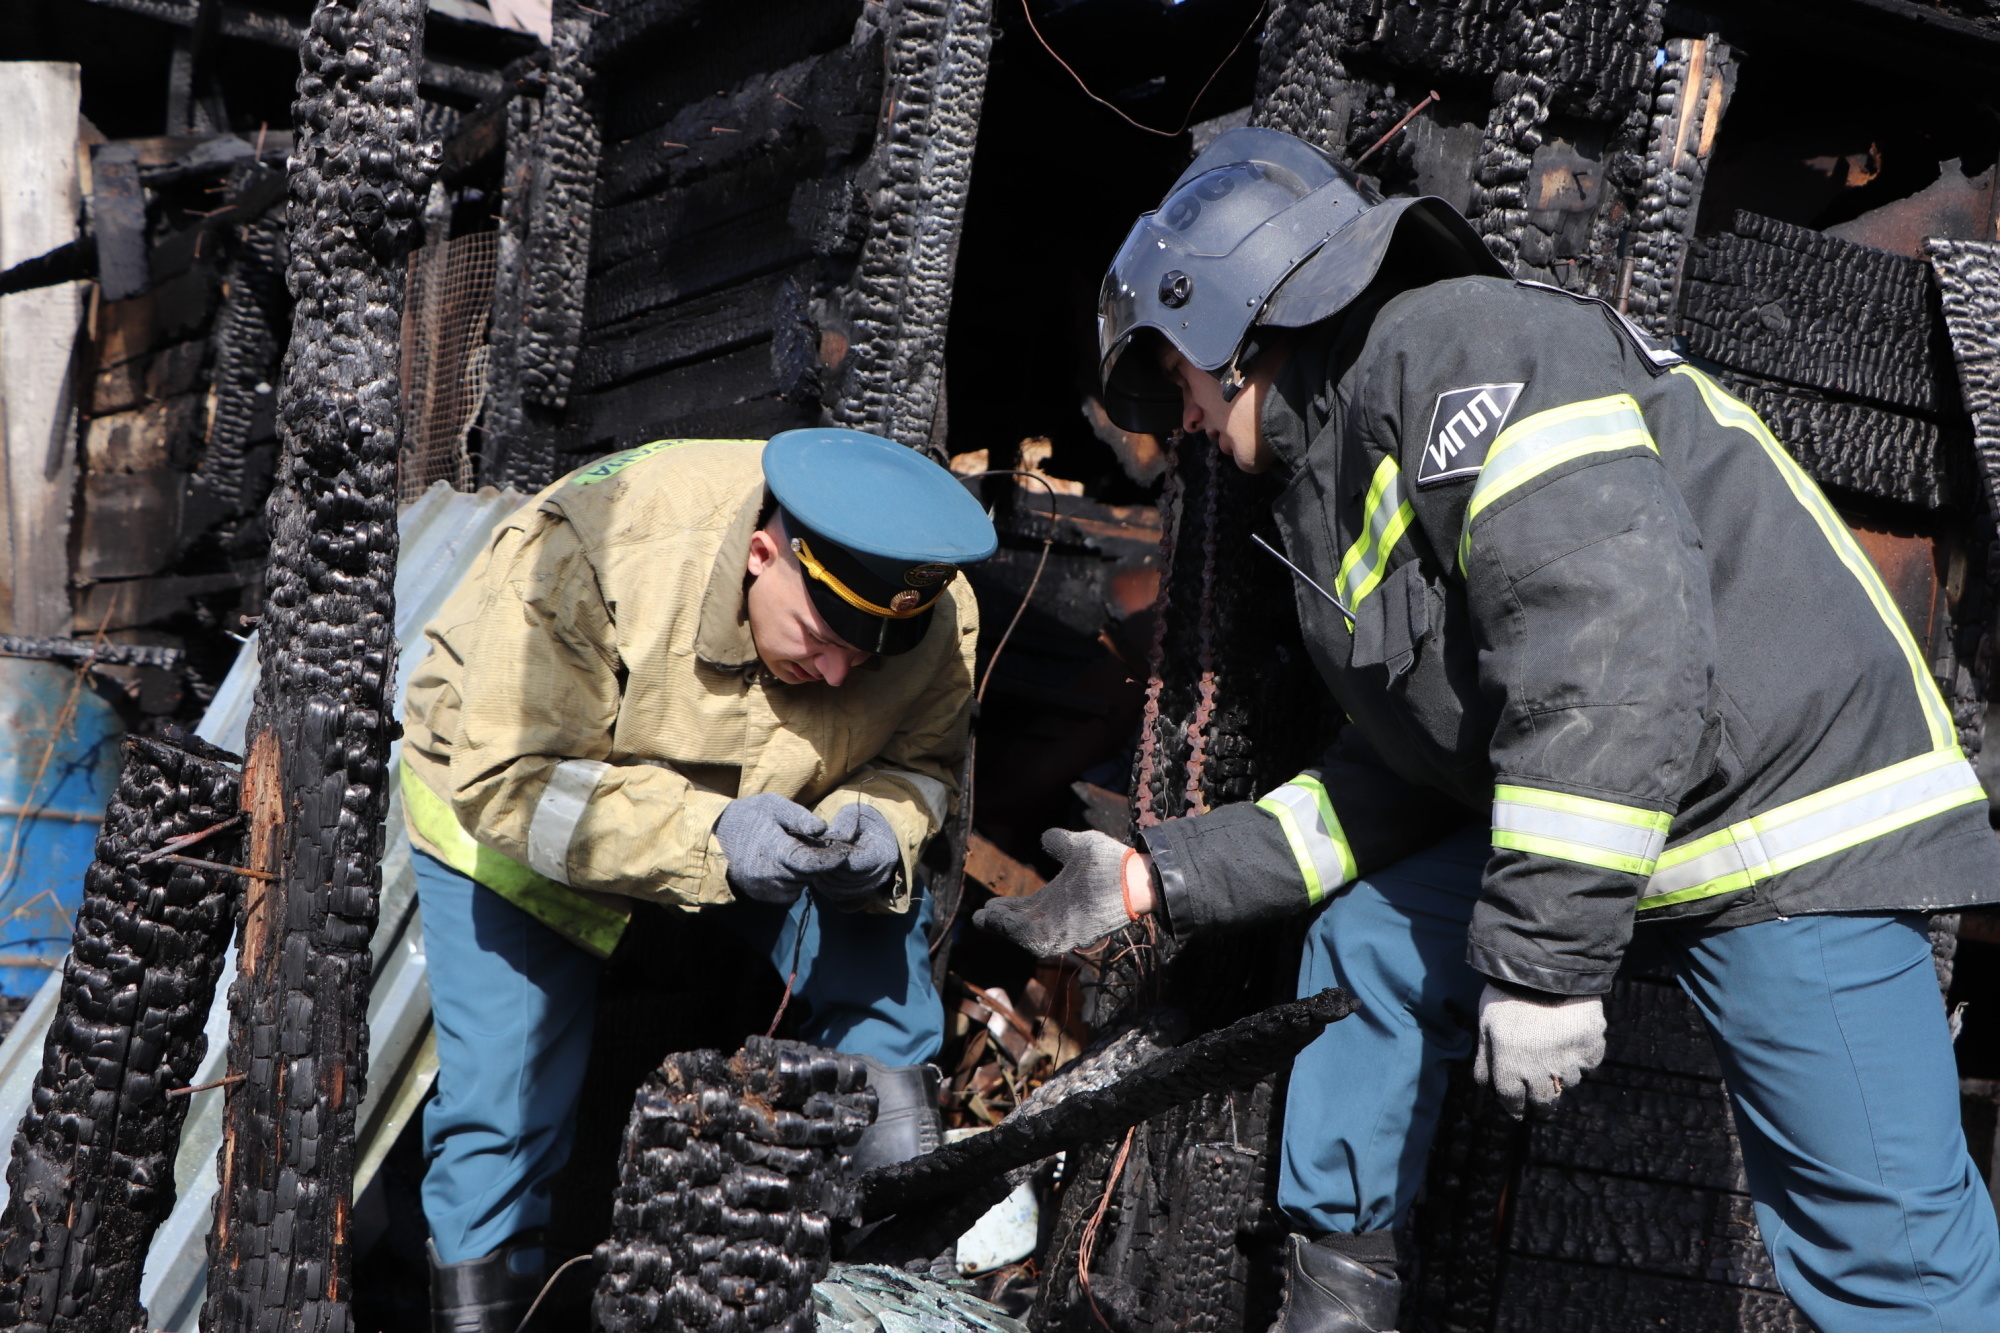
763, 552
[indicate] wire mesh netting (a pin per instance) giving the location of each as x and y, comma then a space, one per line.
444, 348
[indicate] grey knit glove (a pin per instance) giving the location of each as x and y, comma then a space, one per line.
1077, 908
775, 847
872, 854
1531, 1049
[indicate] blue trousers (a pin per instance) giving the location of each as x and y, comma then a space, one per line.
512, 1003
1832, 1040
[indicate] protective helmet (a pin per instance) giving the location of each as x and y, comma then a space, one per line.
1262, 229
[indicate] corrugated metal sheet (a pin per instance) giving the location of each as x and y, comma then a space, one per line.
443, 533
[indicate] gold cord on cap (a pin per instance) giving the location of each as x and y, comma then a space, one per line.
903, 606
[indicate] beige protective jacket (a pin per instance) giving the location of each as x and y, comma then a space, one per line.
593, 699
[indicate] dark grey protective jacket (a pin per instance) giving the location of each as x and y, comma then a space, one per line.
1591, 595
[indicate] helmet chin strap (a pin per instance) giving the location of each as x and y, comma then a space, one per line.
1235, 377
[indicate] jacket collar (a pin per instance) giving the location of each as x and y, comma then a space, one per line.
722, 636
1305, 395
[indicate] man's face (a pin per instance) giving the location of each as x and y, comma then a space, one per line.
1233, 425
792, 639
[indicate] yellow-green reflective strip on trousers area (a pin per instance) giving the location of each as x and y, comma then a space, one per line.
588, 925
1528, 448
1385, 516
1304, 811
1812, 827
1731, 412
1579, 828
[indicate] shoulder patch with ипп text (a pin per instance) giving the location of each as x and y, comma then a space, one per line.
1464, 425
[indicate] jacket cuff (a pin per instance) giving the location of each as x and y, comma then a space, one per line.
1170, 879
1229, 867
1534, 976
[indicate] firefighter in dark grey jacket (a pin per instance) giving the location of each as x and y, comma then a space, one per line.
1609, 659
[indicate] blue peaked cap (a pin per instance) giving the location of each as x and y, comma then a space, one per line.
880, 530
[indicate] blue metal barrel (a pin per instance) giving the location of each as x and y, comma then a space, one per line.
59, 762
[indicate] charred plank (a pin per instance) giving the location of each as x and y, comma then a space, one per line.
1217, 1061
92, 1172
1788, 303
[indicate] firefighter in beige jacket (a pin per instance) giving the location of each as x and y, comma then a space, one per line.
711, 674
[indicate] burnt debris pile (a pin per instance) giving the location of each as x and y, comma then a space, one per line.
733, 1173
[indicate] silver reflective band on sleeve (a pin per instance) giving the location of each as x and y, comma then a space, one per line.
558, 813
1625, 838
1319, 845
936, 798
1813, 827
1530, 447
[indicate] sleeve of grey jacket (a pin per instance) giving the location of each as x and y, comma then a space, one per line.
1590, 589
1258, 861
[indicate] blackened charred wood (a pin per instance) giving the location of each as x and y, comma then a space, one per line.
68, 262
1598, 67
248, 345
1789, 303
1231, 1057
89, 650
315, 778
1690, 93
1968, 274
801, 116
544, 253
900, 300
1858, 447
921, 1232
92, 1173
1968, 277
733, 1171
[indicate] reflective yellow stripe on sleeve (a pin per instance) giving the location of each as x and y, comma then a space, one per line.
1733, 413
1605, 834
589, 925
1385, 517
1319, 844
1814, 827
1530, 447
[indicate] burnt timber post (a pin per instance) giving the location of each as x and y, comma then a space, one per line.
316, 773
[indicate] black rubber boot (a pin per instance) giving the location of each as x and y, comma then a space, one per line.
1327, 1291
907, 1123
489, 1295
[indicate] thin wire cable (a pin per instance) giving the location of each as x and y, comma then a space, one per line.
566, 1266
1029, 14
1048, 541
1086, 1247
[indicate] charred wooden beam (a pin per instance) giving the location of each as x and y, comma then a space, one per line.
1232, 1057
92, 1173
248, 342
1968, 276
733, 1171
316, 779
1793, 304
89, 650
268, 29
545, 228
1690, 94
900, 301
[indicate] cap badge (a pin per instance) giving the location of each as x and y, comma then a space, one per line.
928, 576
905, 601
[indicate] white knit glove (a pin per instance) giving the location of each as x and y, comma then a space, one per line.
1530, 1050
